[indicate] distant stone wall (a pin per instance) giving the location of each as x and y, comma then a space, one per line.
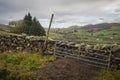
23, 43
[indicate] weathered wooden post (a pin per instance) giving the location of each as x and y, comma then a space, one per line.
45, 43
50, 25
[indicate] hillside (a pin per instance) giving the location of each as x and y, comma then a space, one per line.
104, 32
101, 26
4, 27
95, 27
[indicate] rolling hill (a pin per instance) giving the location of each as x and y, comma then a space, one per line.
103, 33
4, 27
101, 26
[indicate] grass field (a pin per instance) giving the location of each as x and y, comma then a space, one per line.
107, 75
111, 35
55, 36
22, 65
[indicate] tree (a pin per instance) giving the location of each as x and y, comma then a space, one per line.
28, 19
36, 28
31, 26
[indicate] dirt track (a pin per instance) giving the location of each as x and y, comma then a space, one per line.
65, 69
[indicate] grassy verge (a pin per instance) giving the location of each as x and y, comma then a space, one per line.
55, 36
107, 75
7, 33
21, 66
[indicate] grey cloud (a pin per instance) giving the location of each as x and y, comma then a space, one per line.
63, 9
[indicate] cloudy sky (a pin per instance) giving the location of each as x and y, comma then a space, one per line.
67, 12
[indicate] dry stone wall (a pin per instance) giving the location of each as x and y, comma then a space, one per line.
36, 44
21, 43
103, 54
88, 49
31, 44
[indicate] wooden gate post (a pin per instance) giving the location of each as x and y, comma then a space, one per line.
45, 43
50, 25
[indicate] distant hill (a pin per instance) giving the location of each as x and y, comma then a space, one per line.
4, 27
101, 26
91, 27
74, 26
